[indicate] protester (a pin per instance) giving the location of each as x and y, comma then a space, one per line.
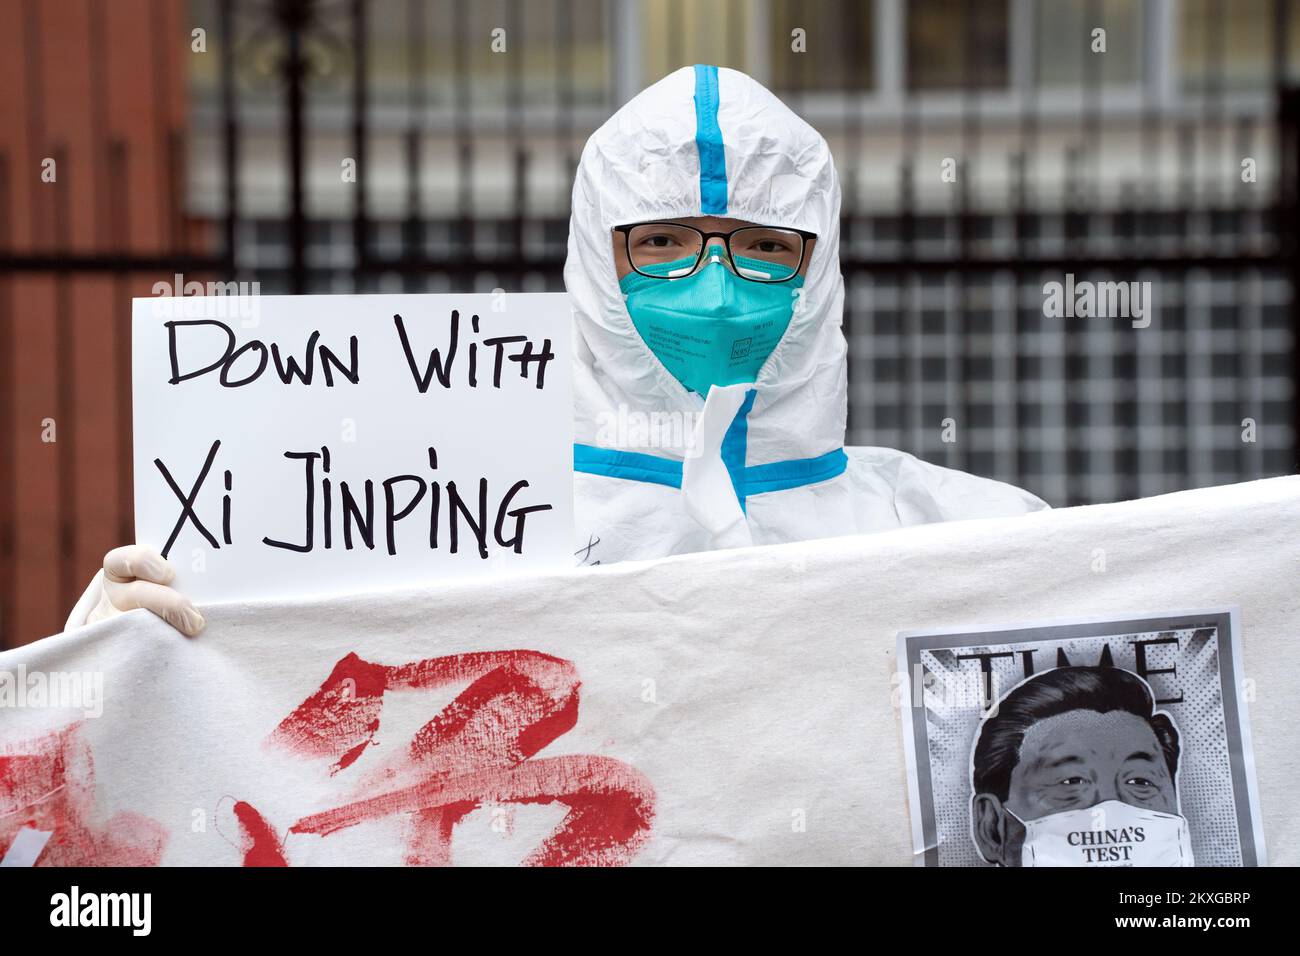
710, 375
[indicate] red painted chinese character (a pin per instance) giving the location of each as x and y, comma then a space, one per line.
479, 749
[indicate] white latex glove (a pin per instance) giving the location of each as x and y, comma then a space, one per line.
136, 576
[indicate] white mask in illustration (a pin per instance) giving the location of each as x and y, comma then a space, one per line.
1112, 833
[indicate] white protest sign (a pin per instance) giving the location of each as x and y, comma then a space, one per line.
305, 445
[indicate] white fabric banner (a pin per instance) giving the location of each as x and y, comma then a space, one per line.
734, 707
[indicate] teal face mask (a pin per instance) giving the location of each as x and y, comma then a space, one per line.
713, 327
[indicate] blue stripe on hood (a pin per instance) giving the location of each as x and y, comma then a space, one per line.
708, 139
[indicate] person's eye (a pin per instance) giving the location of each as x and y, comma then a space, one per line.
659, 241
1071, 782
1139, 782
769, 246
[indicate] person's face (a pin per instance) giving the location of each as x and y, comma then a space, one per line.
706, 224
1074, 761
1081, 758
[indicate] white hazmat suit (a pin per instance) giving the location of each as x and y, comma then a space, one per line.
660, 470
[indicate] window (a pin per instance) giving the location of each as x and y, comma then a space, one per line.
1064, 42
944, 52
840, 45
677, 33
1229, 46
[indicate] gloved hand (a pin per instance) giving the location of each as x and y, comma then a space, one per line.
136, 576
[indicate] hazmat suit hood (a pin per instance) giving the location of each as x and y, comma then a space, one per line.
708, 141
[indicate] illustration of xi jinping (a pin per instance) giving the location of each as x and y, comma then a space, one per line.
1075, 767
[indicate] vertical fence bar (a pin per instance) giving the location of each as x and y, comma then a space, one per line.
360, 142
230, 132
1286, 206
1289, 206
970, 146
1205, 431
294, 17
413, 231
464, 236
515, 133
564, 93
1098, 482
1148, 415
910, 280
850, 92
1027, 121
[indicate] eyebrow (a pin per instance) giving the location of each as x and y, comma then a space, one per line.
1062, 760
1140, 755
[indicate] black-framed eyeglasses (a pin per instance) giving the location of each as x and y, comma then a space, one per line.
671, 250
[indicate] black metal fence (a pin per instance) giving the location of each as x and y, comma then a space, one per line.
945, 309
461, 156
